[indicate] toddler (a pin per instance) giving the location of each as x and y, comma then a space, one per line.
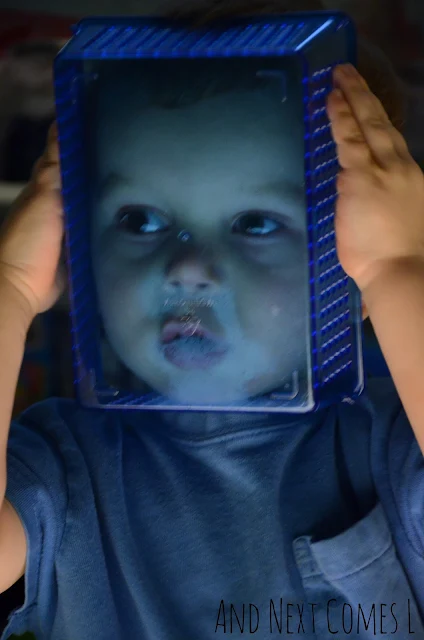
197, 525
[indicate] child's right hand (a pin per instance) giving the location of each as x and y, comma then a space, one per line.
31, 238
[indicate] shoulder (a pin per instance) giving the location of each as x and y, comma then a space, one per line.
52, 411
378, 414
52, 450
58, 421
393, 437
50, 443
398, 461
375, 411
382, 395
390, 423
50, 467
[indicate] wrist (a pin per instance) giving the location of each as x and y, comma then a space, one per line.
390, 277
15, 307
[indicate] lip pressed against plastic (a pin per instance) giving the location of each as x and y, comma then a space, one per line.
189, 345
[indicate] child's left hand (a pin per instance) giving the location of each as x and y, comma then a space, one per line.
380, 208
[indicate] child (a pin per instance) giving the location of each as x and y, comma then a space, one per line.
196, 525
199, 229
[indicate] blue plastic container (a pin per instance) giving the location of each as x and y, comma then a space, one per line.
185, 361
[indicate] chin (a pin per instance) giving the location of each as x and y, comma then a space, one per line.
206, 394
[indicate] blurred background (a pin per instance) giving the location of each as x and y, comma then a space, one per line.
31, 33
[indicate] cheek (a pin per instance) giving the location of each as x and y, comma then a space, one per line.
271, 300
278, 315
278, 321
120, 285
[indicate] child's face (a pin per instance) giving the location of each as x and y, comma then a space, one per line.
223, 315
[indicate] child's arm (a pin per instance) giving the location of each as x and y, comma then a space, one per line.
380, 233
395, 301
14, 324
30, 244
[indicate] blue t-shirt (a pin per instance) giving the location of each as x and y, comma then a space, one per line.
153, 526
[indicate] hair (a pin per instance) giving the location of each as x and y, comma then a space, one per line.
173, 89
373, 64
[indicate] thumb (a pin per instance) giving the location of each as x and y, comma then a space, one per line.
58, 288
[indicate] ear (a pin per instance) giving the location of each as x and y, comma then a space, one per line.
365, 313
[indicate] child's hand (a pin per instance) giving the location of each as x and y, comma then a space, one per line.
31, 239
380, 208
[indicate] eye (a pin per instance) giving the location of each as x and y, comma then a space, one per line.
141, 220
256, 223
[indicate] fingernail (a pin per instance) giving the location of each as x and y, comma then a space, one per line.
340, 74
346, 70
56, 180
53, 131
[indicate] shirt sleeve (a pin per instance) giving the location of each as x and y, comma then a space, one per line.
405, 474
37, 489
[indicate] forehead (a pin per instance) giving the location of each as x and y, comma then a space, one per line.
241, 130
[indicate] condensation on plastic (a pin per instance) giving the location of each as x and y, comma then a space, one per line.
321, 40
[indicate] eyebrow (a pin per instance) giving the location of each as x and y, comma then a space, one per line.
110, 182
283, 188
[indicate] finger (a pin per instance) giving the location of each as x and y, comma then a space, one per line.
353, 150
45, 176
36, 168
57, 290
61, 280
348, 73
370, 115
398, 139
51, 153
48, 177
399, 142
354, 182
46, 171
25, 195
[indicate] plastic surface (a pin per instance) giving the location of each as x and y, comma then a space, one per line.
185, 359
